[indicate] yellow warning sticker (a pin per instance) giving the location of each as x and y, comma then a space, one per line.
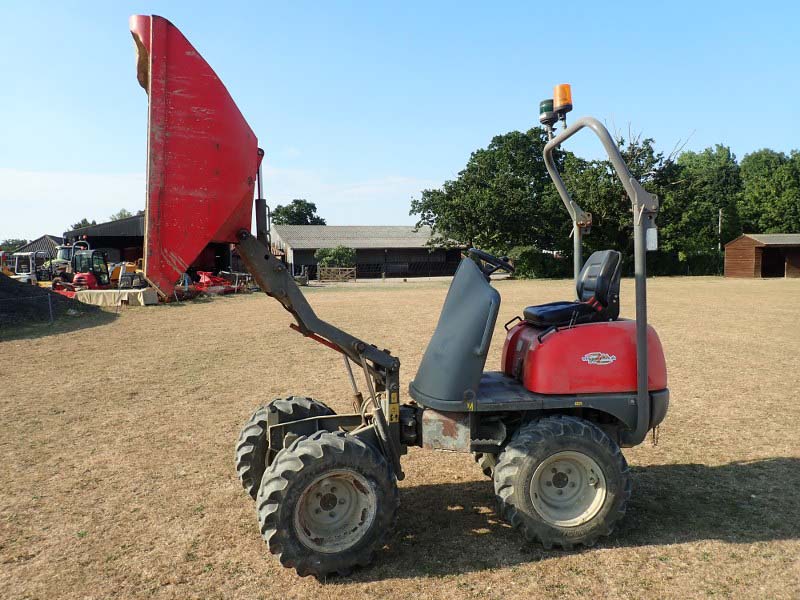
394, 412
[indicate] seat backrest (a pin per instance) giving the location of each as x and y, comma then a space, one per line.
451, 367
599, 279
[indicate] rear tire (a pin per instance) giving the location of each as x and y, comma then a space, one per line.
326, 504
487, 462
563, 482
252, 448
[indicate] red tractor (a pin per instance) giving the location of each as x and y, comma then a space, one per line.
577, 382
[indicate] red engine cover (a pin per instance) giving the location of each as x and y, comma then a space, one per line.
85, 280
586, 359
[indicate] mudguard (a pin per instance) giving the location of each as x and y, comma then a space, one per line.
202, 156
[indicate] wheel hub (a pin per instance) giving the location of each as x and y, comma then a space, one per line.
335, 511
568, 489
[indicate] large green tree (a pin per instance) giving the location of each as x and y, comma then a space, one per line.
702, 184
770, 201
502, 198
597, 188
298, 212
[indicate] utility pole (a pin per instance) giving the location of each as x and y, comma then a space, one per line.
719, 232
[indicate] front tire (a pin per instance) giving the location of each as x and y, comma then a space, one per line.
327, 503
252, 447
563, 482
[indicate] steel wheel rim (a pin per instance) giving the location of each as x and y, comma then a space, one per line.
335, 511
568, 489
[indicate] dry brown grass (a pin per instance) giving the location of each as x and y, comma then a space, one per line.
117, 442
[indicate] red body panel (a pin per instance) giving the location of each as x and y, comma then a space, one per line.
85, 280
586, 359
202, 155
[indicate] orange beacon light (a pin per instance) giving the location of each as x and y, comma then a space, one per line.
562, 98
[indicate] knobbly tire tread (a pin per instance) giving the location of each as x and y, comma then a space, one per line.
252, 445
284, 481
554, 434
486, 461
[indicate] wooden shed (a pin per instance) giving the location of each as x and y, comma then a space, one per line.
763, 255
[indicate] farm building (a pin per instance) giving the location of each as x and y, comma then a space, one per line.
390, 250
46, 243
763, 255
123, 239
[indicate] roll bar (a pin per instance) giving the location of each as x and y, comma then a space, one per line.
645, 209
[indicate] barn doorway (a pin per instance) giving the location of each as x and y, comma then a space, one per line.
773, 262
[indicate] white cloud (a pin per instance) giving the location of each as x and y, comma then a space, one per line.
33, 203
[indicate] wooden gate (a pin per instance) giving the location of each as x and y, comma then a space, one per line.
336, 274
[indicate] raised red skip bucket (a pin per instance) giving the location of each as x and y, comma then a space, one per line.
202, 156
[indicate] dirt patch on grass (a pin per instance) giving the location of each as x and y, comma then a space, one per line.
118, 481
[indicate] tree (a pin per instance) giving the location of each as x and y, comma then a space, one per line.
501, 199
299, 212
340, 256
11, 244
83, 223
596, 187
122, 214
770, 201
703, 184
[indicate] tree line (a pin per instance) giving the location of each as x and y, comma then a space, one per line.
504, 201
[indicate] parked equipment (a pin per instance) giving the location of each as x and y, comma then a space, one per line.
7, 263
576, 383
212, 284
88, 271
29, 267
60, 263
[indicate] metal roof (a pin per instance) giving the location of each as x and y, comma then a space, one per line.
127, 227
46, 243
312, 237
776, 239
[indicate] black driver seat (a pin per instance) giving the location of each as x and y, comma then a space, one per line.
598, 295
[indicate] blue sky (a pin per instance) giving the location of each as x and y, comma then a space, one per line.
360, 105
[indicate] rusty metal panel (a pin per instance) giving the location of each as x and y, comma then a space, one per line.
445, 430
202, 155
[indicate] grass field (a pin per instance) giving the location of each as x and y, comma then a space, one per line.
117, 445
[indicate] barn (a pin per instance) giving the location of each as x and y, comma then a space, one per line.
123, 240
763, 255
381, 250
47, 244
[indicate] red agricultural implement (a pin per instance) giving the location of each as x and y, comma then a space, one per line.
212, 284
576, 383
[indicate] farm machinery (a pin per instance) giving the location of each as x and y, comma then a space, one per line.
61, 263
30, 267
88, 270
576, 382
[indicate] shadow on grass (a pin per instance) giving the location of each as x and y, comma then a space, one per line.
64, 324
447, 529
